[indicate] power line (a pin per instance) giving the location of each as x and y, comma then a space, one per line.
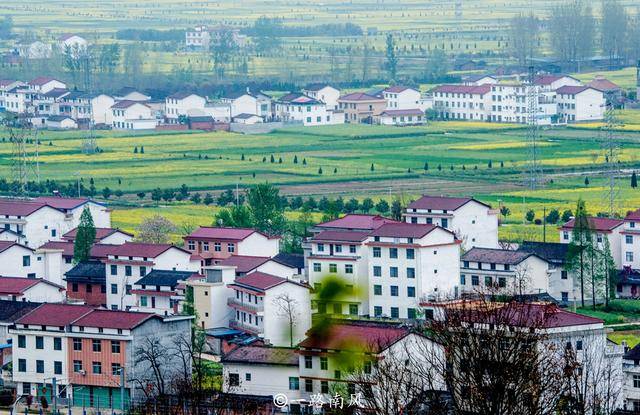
534, 178
611, 148
25, 166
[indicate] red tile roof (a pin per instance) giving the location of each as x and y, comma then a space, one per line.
138, 249
222, 233
597, 224
572, 90
41, 80
17, 207
244, 263
101, 233
340, 236
16, 285
603, 84
98, 251
398, 88
262, 355
464, 89
360, 96
126, 104
260, 280
633, 215
441, 202
403, 230
356, 336
4, 245
55, 314
65, 203
111, 319
355, 221
549, 79
495, 256
6, 82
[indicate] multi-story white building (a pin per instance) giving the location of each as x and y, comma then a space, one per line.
183, 104
297, 107
44, 84
501, 270
473, 222
249, 103
324, 93
276, 309
101, 112
21, 261
580, 103
463, 102
631, 386
210, 295
401, 98
74, 206
409, 262
630, 240
128, 263
600, 228
132, 115
550, 82
33, 223
510, 103
161, 291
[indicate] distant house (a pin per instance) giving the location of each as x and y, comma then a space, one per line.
30, 289
158, 292
44, 84
298, 107
129, 93
132, 115
201, 122
553, 82
580, 103
402, 117
323, 93
103, 235
101, 112
61, 122
448, 102
248, 102
360, 107
564, 287
72, 42
477, 80
247, 119
182, 104
400, 97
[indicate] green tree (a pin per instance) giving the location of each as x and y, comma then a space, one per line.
221, 50
85, 237
106, 193
208, 199
396, 209
579, 246
391, 60
586, 181
382, 206
366, 205
505, 211
567, 215
437, 65
634, 180
234, 217
530, 215
553, 216
141, 195
266, 211
156, 194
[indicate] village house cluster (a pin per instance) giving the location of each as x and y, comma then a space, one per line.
255, 303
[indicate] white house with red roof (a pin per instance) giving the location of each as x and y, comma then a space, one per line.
600, 228
132, 115
109, 236
402, 117
30, 289
580, 103
74, 206
324, 93
33, 223
400, 97
297, 107
22, 261
276, 309
475, 223
212, 244
353, 222
630, 240
126, 264
44, 84
552, 82
182, 104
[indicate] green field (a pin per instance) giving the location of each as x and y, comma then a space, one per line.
339, 161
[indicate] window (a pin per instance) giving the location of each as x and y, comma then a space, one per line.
39, 366
74, 287
57, 367
565, 296
22, 365
377, 289
393, 272
411, 253
127, 270
488, 281
564, 274
333, 268
628, 256
22, 341
143, 301
411, 313
324, 363
338, 248
308, 362
377, 311
217, 247
191, 245
26, 388
376, 252
234, 379
96, 367
502, 282
411, 272
324, 386
395, 312
127, 289
317, 267
26, 261
231, 247
411, 291
294, 383
463, 279
599, 237
143, 271
393, 252
628, 239
394, 290
337, 308
320, 247
348, 269
475, 280
89, 288
77, 344
115, 369
114, 288
39, 342
377, 271
308, 385
115, 346
247, 377
96, 345
579, 345
352, 249
636, 381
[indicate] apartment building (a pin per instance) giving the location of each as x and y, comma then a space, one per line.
33, 223
473, 222
501, 270
275, 309
132, 115
126, 264
510, 103
463, 102
210, 294
580, 103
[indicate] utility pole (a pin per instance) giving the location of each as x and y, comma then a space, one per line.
54, 393
122, 390
534, 179
544, 224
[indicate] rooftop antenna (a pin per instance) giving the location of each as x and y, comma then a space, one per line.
534, 178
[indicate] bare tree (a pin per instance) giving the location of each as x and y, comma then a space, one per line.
287, 307
155, 230
151, 359
524, 35
572, 29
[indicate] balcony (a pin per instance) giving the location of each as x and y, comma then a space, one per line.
251, 307
239, 325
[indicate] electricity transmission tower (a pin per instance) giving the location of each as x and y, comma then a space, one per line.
611, 148
534, 176
89, 143
458, 10
24, 155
